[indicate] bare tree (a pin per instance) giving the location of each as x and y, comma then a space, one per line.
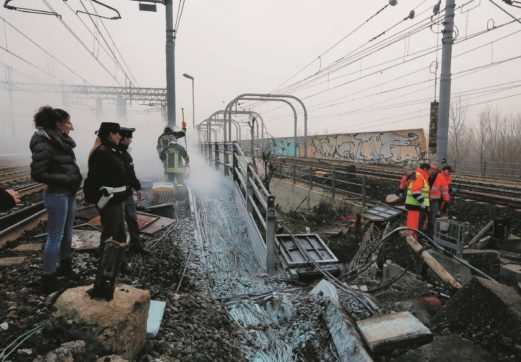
458, 130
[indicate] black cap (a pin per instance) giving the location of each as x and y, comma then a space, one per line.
126, 132
448, 168
107, 127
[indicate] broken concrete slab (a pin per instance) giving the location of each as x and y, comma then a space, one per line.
347, 342
28, 248
155, 316
512, 243
393, 330
117, 326
85, 239
485, 260
459, 271
481, 306
511, 273
448, 348
111, 358
12, 260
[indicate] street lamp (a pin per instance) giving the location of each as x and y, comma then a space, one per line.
193, 97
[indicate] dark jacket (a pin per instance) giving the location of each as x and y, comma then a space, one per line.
53, 161
6, 200
106, 168
129, 163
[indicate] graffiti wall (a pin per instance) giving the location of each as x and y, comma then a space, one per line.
380, 147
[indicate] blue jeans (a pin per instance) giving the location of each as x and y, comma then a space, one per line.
61, 210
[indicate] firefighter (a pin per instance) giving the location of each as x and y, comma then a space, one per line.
417, 199
167, 136
136, 244
176, 160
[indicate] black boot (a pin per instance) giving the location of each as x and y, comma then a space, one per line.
65, 270
50, 283
137, 247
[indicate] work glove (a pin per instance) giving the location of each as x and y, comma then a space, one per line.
423, 206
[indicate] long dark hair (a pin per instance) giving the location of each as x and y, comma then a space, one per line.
62, 115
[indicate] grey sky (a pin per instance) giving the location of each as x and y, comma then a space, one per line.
235, 46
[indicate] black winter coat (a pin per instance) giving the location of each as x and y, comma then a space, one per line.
106, 168
6, 200
129, 163
53, 161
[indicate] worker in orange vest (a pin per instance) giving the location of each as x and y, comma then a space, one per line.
404, 182
417, 199
439, 194
444, 207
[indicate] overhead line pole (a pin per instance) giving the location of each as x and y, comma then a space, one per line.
445, 83
170, 63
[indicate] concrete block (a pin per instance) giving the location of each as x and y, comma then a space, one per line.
511, 273
28, 248
459, 271
393, 330
347, 341
117, 326
485, 260
448, 348
13, 260
486, 306
513, 243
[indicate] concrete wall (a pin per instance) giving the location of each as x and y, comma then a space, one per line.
393, 147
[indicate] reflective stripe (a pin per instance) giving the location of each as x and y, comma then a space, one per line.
416, 198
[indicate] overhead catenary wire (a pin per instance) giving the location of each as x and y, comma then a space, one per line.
77, 37
115, 46
44, 50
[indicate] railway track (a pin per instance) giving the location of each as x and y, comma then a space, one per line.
15, 224
494, 191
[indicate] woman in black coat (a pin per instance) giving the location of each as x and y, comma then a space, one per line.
54, 164
107, 184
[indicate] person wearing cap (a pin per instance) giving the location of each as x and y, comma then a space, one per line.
54, 164
417, 199
136, 244
168, 135
176, 160
107, 183
439, 195
444, 207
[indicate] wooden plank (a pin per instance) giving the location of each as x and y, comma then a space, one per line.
432, 263
393, 330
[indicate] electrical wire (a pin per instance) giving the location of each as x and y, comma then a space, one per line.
44, 50
115, 45
29, 63
82, 43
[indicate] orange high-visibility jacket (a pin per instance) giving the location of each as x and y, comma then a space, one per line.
440, 188
403, 183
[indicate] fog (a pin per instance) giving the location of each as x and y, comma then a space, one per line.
234, 46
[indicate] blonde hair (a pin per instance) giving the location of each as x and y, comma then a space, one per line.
97, 143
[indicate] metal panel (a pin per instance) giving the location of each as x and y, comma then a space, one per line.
313, 246
381, 213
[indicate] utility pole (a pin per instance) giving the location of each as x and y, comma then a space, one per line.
445, 82
170, 63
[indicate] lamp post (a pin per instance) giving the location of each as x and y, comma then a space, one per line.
188, 76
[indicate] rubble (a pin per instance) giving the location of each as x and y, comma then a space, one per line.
393, 330
447, 348
116, 326
485, 311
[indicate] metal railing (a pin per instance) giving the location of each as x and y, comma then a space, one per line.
259, 202
337, 180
